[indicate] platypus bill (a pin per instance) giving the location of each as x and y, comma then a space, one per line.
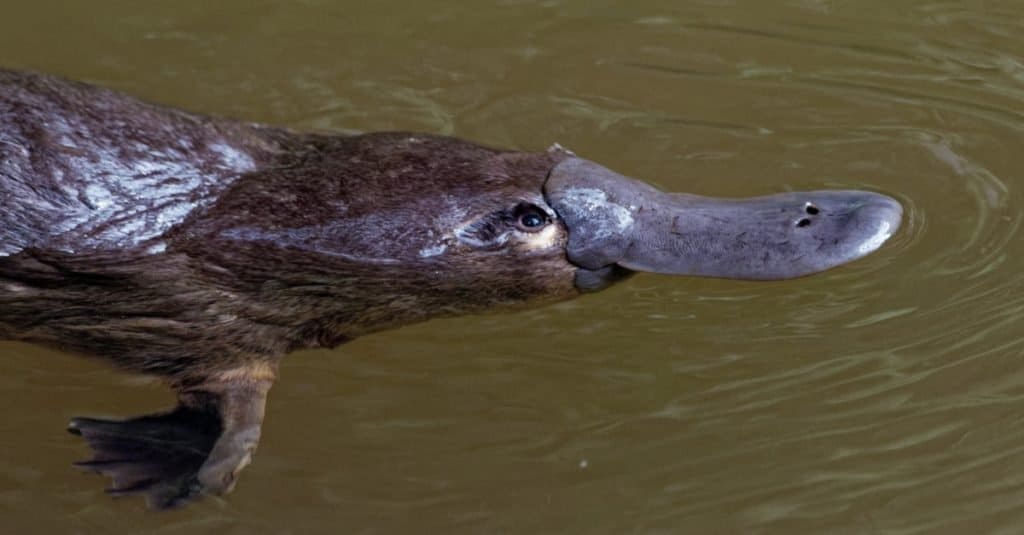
203, 250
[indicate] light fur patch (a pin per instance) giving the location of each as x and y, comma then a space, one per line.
255, 372
544, 239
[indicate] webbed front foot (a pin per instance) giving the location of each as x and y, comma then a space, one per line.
158, 455
175, 457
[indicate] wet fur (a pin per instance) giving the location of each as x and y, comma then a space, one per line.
203, 250
321, 239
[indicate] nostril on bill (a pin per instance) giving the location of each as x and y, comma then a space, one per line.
811, 209
803, 222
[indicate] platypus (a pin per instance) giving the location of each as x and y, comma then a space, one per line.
202, 250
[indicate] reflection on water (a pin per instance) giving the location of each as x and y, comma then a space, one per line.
880, 397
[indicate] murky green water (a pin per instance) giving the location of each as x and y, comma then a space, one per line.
884, 397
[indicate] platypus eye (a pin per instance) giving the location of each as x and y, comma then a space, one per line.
493, 231
530, 218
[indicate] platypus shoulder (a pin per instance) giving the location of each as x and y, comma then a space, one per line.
85, 167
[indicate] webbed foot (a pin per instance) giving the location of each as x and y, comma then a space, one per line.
158, 455
175, 457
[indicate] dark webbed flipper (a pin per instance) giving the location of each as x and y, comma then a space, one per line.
174, 457
157, 455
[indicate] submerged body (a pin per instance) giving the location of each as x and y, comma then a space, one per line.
203, 250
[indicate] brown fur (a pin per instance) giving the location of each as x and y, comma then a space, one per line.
204, 250
316, 246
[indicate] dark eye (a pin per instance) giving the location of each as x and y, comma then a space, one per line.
531, 219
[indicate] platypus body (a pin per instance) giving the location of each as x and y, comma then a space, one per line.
203, 250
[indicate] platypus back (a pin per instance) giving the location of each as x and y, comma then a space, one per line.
88, 168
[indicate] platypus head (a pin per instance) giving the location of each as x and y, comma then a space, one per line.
605, 226
398, 228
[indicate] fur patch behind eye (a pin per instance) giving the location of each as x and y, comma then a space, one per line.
489, 232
